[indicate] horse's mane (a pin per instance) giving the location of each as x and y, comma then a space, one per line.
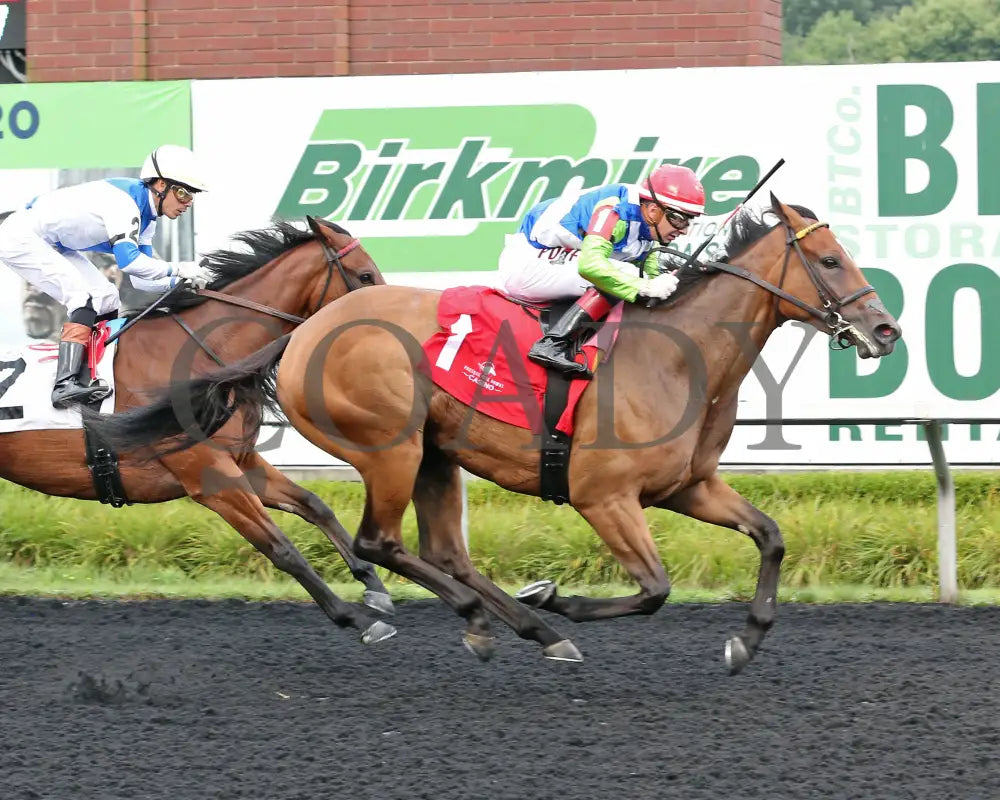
265, 245
746, 228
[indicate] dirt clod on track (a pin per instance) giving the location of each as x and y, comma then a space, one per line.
270, 701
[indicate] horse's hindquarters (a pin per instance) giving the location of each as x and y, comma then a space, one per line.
351, 380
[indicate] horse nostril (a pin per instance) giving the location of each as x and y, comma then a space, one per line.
887, 332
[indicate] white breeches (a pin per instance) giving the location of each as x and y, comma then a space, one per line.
528, 273
67, 277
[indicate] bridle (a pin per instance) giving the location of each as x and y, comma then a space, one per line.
829, 314
333, 260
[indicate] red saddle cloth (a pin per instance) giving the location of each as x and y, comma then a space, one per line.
479, 357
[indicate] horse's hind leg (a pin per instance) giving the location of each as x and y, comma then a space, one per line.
437, 498
714, 501
280, 493
389, 477
220, 485
619, 521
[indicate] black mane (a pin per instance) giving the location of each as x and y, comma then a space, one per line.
231, 265
746, 228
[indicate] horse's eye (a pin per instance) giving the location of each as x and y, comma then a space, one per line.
367, 278
830, 262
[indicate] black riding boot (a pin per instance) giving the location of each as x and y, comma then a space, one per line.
555, 350
69, 388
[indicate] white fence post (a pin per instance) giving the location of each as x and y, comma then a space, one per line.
947, 548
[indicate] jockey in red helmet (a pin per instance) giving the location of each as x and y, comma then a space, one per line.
590, 245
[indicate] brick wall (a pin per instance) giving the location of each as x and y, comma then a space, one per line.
99, 40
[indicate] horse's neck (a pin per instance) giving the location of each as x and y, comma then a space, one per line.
233, 331
726, 320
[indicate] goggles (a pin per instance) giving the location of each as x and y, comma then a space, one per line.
182, 193
678, 219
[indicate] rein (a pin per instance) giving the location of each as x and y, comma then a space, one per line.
333, 259
829, 314
242, 302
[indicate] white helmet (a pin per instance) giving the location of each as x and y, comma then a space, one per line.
175, 164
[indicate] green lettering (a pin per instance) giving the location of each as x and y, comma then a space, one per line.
966, 237
374, 181
727, 182
922, 432
319, 186
845, 380
895, 148
465, 186
942, 336
635, 167
557, 173
921, 241
853, 430
988, 113
413, 176
882, 434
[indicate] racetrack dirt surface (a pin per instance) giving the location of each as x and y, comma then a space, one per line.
270, 701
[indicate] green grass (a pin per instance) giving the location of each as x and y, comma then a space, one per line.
847, 533
141, 584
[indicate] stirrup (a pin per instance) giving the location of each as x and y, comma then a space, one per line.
563, 365
73, 393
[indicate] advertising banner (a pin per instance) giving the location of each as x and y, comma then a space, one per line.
901, 160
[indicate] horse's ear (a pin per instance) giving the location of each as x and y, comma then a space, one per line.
314, 225
779, 208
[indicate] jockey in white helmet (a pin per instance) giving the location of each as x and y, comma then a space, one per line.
44, 243
590, 246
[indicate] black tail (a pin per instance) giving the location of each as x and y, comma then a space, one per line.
193, 411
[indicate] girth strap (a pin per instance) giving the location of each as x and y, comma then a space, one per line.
103, 464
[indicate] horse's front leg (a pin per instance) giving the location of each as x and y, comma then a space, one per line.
620, 522
278, 492
712, 500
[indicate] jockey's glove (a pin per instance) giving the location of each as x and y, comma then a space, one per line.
658, 288
197, 275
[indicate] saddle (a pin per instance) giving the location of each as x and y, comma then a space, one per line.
479, 357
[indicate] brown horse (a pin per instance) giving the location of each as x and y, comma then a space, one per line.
649, 430
288, 275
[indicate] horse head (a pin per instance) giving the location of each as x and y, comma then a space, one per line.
345, 257
833, 295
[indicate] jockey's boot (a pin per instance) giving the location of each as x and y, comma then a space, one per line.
555, 350
69, 388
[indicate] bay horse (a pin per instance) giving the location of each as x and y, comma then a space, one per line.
256, 296
649, 429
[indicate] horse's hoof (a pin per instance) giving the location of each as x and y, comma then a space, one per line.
483, 647
379, 601
563, 650
737, 655
378, 631
537, 594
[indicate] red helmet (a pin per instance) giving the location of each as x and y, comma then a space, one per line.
676, 187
